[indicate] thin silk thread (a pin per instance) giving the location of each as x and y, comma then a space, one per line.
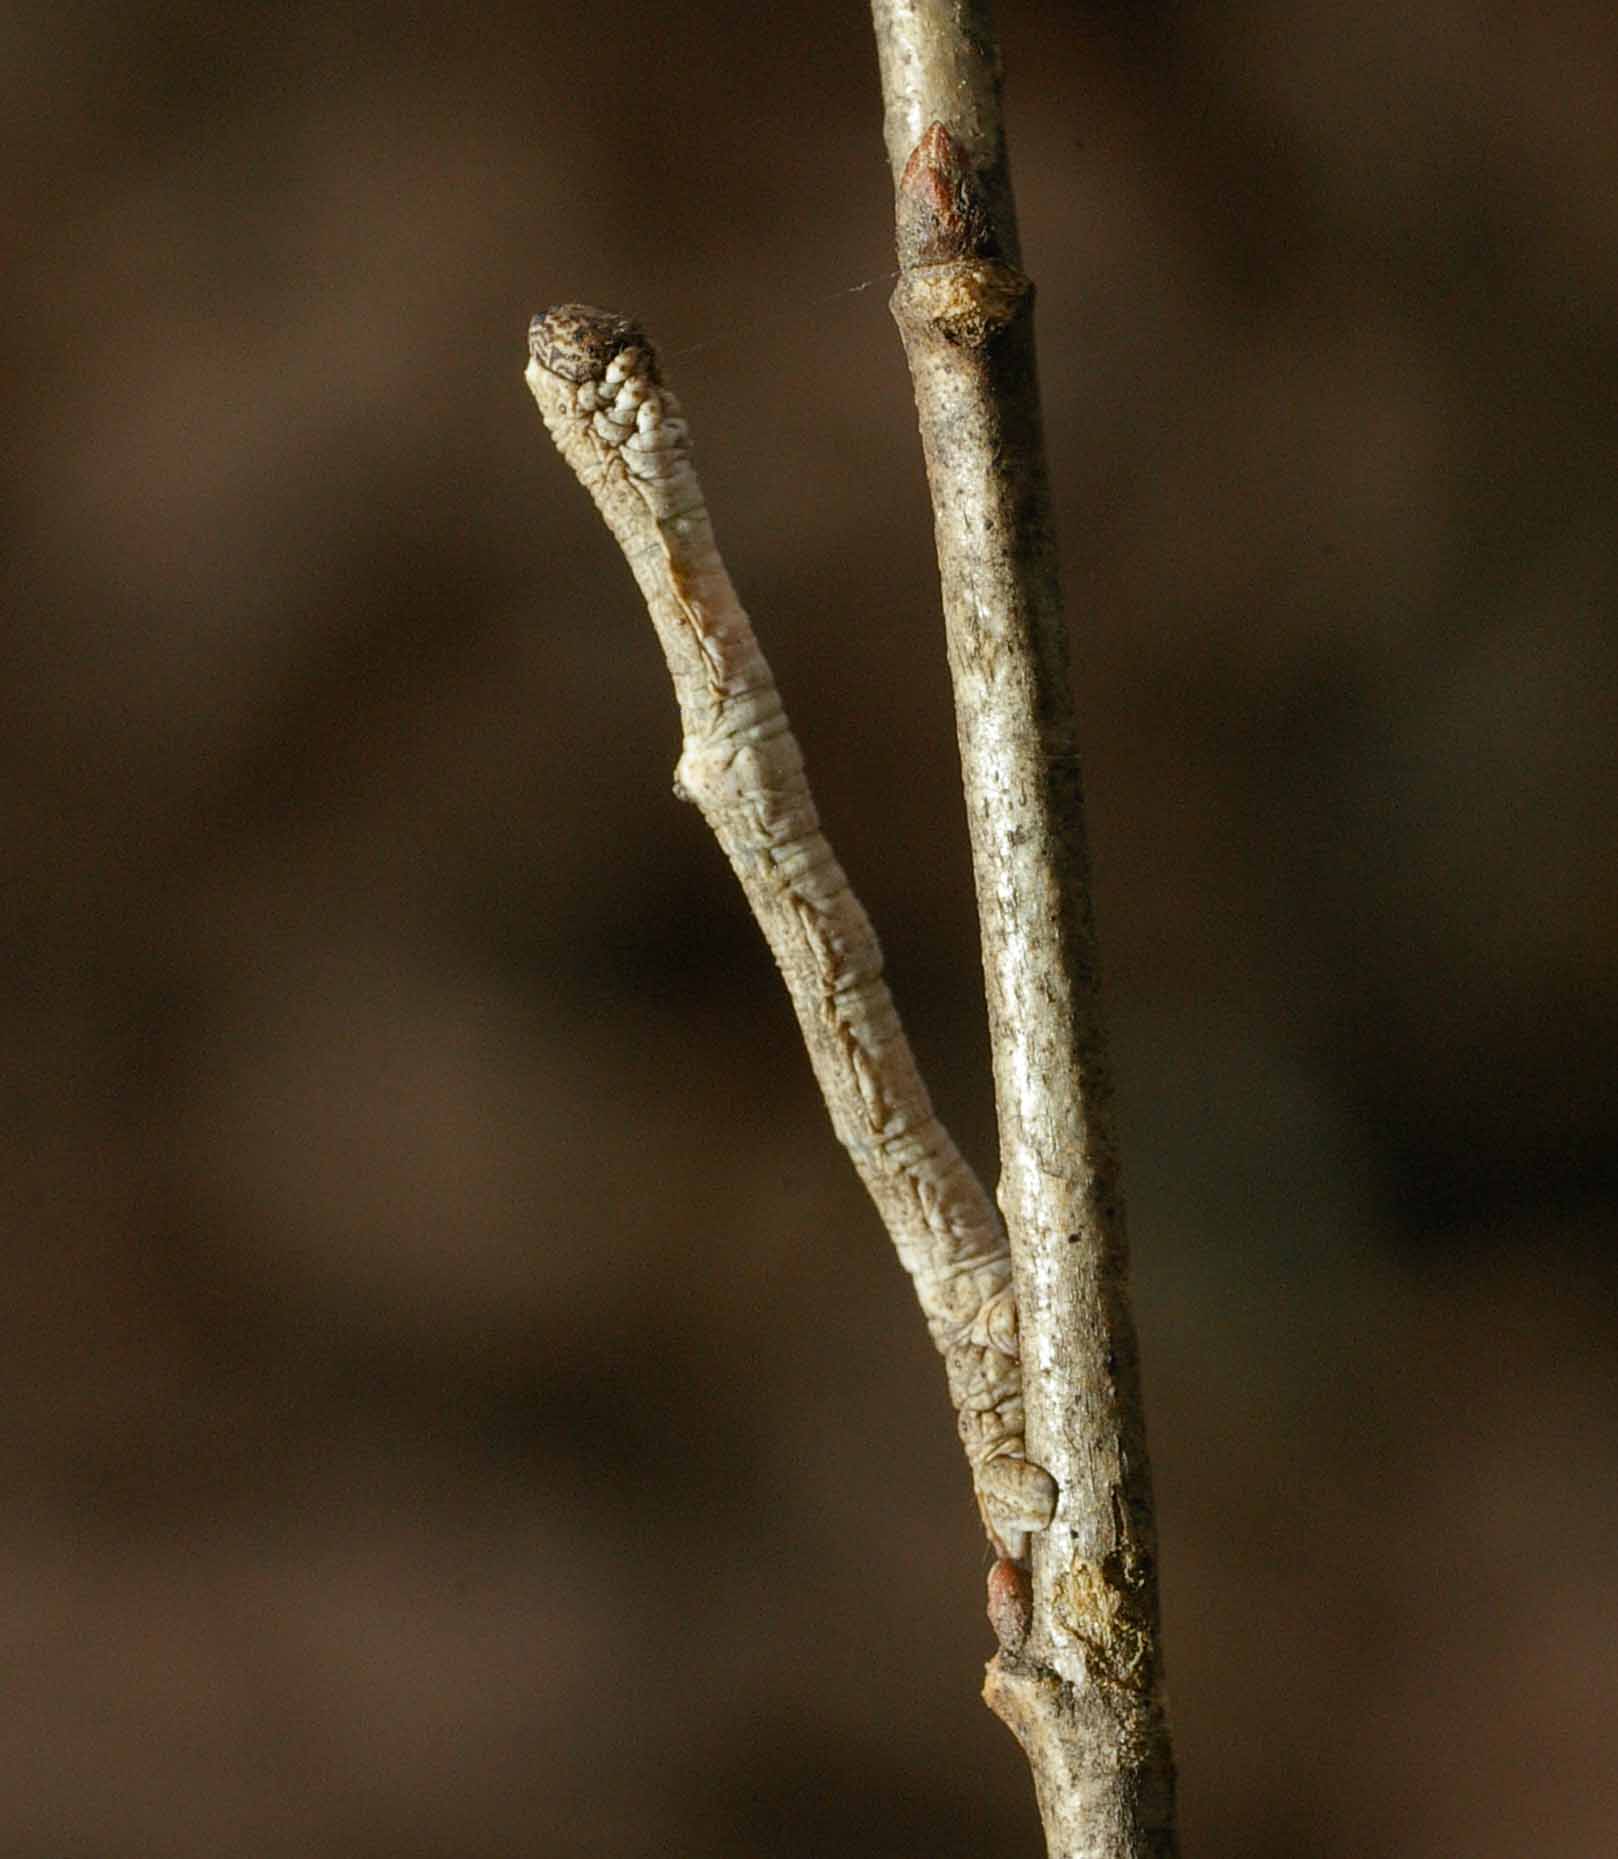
727, 336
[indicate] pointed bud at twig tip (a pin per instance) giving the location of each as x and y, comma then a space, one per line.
1011, 1604
940, 212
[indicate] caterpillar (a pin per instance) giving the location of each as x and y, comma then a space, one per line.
599, 387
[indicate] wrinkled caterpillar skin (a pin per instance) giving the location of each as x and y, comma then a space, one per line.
597, 382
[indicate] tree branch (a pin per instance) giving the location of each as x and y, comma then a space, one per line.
1079, 1675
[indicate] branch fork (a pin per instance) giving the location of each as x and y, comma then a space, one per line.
1032, 1315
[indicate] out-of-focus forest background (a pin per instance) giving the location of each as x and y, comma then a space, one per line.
454, 1398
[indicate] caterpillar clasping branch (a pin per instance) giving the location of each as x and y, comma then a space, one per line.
598, 385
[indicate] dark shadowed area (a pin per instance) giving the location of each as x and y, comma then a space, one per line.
455, 1402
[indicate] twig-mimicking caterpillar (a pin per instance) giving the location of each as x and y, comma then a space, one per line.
597, 383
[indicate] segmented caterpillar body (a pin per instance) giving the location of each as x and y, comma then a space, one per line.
597, 382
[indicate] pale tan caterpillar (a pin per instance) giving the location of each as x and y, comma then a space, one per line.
596, 379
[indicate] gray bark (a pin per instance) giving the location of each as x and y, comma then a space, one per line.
1078, 1677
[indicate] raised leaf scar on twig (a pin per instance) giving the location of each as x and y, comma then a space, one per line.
596, 379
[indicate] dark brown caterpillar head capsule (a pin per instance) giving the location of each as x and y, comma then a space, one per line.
576, 342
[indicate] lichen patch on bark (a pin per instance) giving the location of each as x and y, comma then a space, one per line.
1106, 1607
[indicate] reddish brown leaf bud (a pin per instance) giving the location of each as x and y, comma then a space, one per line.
1011, 1604
940, 214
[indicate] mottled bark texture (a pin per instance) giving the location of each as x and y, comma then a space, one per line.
1079, 1674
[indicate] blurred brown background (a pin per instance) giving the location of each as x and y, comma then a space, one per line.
455, 1399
